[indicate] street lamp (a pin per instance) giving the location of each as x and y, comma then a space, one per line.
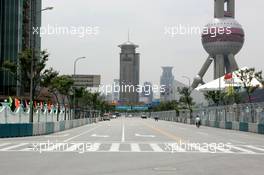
47, 8
74, 76
32, 63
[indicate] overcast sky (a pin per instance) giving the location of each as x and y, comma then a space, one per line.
146, 20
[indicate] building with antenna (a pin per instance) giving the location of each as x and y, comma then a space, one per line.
129, 72
224, 39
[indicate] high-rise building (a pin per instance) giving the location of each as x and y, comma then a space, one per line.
222, 40
167, 80
115, 89
147, 93
17, 19
129, 73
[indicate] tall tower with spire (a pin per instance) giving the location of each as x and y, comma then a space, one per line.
129, 72
222, 41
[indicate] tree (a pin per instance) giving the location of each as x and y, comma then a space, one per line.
61, 85
167, 106
185, 99
22, 71
247, 76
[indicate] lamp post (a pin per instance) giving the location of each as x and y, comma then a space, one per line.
32, 63
74, 77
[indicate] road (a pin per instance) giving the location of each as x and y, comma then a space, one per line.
129, 146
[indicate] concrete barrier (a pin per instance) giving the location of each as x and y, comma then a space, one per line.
57, 126
15, 130
235, 125
253, 127
29, 129
243, 126
212, 124
261, 128
228, 125
222, 125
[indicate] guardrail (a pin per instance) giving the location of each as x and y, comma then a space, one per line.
243, 117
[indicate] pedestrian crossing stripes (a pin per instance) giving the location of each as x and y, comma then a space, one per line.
126, 147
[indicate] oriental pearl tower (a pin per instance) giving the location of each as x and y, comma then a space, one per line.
223, 45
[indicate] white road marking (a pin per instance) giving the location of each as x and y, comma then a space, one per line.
256, 148
140, 135
57, 135
203, 133
242, 149
12, 147
236, 141
4, 144
181, 128
115, 147
67, 140
123, 131
101, 136
156, 147
134, 147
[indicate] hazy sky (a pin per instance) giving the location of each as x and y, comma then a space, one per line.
146, 20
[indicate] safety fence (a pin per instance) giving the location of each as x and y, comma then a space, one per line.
16, 123
21, 115
243, 117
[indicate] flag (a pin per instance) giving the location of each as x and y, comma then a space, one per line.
17, 103
49, 106
26, 104
228, 76
10, 101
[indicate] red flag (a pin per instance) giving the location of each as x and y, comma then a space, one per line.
17, 103
49, 106
228, 76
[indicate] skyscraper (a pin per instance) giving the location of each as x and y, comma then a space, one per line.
115, 90
17, 18
167, 80
129, 72
222, 39
147, 92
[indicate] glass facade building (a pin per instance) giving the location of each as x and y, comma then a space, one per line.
17, 18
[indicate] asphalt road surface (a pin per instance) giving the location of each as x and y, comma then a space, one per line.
135, 146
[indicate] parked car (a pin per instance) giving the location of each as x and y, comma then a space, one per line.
114, 116
106, 117
143, 116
